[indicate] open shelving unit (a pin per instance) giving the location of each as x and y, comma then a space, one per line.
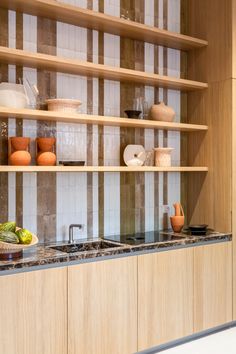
32, 114
98, 21
78, 67
100, 169
77, 16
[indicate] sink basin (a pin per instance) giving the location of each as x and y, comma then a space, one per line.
86, 246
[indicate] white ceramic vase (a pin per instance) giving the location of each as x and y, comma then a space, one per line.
163, 157
162, 112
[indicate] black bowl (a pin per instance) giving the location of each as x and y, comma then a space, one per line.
132, 113
198, 228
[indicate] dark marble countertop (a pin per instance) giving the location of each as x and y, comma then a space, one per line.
46, 256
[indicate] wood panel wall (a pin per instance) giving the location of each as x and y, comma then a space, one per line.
209, 196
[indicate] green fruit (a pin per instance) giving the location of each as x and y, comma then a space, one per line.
8, 236
8, 226
24, 236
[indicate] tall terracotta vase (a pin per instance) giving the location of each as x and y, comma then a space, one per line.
46, 151
18, 151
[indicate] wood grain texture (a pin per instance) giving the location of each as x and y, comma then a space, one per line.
31, 114
98, 169
105, 23
165, 297
102, 307
234, 193
212, 19
212, 286
78, 67
209, 198
33, 311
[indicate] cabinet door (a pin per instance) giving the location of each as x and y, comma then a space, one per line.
33, 312
165, 297
212, 285
102, 311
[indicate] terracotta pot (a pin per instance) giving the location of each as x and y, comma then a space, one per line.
20, 143
177, 223
162, 112
46, 144
46, 159
20, 158
163, 157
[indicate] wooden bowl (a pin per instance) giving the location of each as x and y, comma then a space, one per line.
5, 246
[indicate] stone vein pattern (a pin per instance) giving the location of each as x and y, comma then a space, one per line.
45, 255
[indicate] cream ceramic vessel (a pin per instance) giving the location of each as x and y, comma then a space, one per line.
163, 157
162, 112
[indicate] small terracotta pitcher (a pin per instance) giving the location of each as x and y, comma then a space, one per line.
177, 221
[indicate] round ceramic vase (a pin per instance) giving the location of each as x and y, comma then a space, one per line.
162, 112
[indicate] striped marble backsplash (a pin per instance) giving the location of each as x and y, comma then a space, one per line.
105, 203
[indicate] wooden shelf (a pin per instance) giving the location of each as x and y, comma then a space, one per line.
100, 120
105, 23
77, 67
99, 169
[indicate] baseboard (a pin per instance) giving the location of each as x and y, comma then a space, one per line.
195, 336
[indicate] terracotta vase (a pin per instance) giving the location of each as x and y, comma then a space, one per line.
177, 221
19, 143
46, 159
162, 112
20, 158
163, 157
45, 144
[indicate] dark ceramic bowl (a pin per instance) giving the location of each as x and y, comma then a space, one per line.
197, 228
133, 114
72, 163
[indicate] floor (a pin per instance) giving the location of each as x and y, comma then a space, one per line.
219, 343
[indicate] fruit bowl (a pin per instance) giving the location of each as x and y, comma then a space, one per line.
5, 246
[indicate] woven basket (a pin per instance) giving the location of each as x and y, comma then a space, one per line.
5, 246
63, 105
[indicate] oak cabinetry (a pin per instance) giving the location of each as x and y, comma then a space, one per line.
102, 307
33, 312
212, 285
165, 297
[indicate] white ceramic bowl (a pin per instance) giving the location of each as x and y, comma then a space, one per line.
63, 105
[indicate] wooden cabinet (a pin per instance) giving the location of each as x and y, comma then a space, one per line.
102, 307
212, 285
33, 312
165, 297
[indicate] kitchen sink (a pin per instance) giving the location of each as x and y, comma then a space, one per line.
86, 246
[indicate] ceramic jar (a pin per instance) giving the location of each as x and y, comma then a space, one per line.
46, 159
46, 151
19, 154
162, 112
177, 221
20, 158
163, 157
